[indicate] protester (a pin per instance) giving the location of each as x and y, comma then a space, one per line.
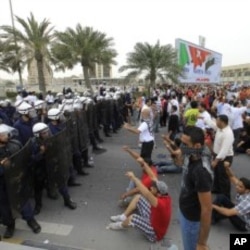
145, 132
238, 213
154, 208
195, 199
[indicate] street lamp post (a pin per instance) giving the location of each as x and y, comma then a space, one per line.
13, 26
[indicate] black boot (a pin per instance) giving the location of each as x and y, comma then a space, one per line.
82, 173
72, 183
100, 140
35, 227
52, 193
37, 209
69, 203
9, 232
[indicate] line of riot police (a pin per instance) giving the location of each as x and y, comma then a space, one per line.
45, 149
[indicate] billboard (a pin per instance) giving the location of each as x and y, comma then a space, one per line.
199, 65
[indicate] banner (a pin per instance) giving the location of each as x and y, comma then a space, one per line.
199, 65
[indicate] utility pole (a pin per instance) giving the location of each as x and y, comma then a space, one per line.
13, 26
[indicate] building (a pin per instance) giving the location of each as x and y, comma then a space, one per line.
239, 74
33, 74
101, 71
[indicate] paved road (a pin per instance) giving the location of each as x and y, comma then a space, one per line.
85, 227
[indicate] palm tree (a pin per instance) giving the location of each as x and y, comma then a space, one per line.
153, 61
33, 41
3, 65
11, 60
85, 46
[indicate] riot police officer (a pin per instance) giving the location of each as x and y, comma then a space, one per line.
7, 148
41, 132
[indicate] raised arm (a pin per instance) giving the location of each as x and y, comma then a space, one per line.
131, 129
134, 154
143, 190
230, 173
147, 169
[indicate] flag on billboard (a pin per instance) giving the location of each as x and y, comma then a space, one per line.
184, 57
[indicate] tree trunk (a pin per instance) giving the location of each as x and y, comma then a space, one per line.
20, 75
41, 79
86, 78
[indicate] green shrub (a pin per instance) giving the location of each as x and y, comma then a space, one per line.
11, 94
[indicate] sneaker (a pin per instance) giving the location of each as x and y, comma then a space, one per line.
116, 218
115, 226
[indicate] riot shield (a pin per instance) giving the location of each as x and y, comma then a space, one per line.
89, 113
82, 129
58, 156
71, 125
18, 178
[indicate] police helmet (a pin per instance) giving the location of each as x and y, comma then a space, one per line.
38, 128
54, 114
39, 104
4, 129
77, 104
18, 103
24, 108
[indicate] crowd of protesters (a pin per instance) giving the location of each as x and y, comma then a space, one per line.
206, 127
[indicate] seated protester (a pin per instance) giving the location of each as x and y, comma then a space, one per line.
239, 213
145, 178
174, 165
244, 143
154, 208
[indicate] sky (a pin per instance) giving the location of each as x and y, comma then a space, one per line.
224, 23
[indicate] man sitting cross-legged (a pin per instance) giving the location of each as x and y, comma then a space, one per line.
153, 205
239, 213
146, 177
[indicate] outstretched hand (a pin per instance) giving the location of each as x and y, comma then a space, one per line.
130, 174
126, 125
125, 148
5, 162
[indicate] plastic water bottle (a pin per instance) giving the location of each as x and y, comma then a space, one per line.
91, 160
166, 242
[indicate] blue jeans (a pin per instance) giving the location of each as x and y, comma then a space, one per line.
167, 167
189, 231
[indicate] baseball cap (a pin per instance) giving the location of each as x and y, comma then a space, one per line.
161, 187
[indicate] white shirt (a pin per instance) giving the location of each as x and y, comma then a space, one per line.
201, 122
145, 135
171, 103
50, 99
223, 142
19, 98
237, 117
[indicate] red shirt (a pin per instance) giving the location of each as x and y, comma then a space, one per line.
146, 180
161, 215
